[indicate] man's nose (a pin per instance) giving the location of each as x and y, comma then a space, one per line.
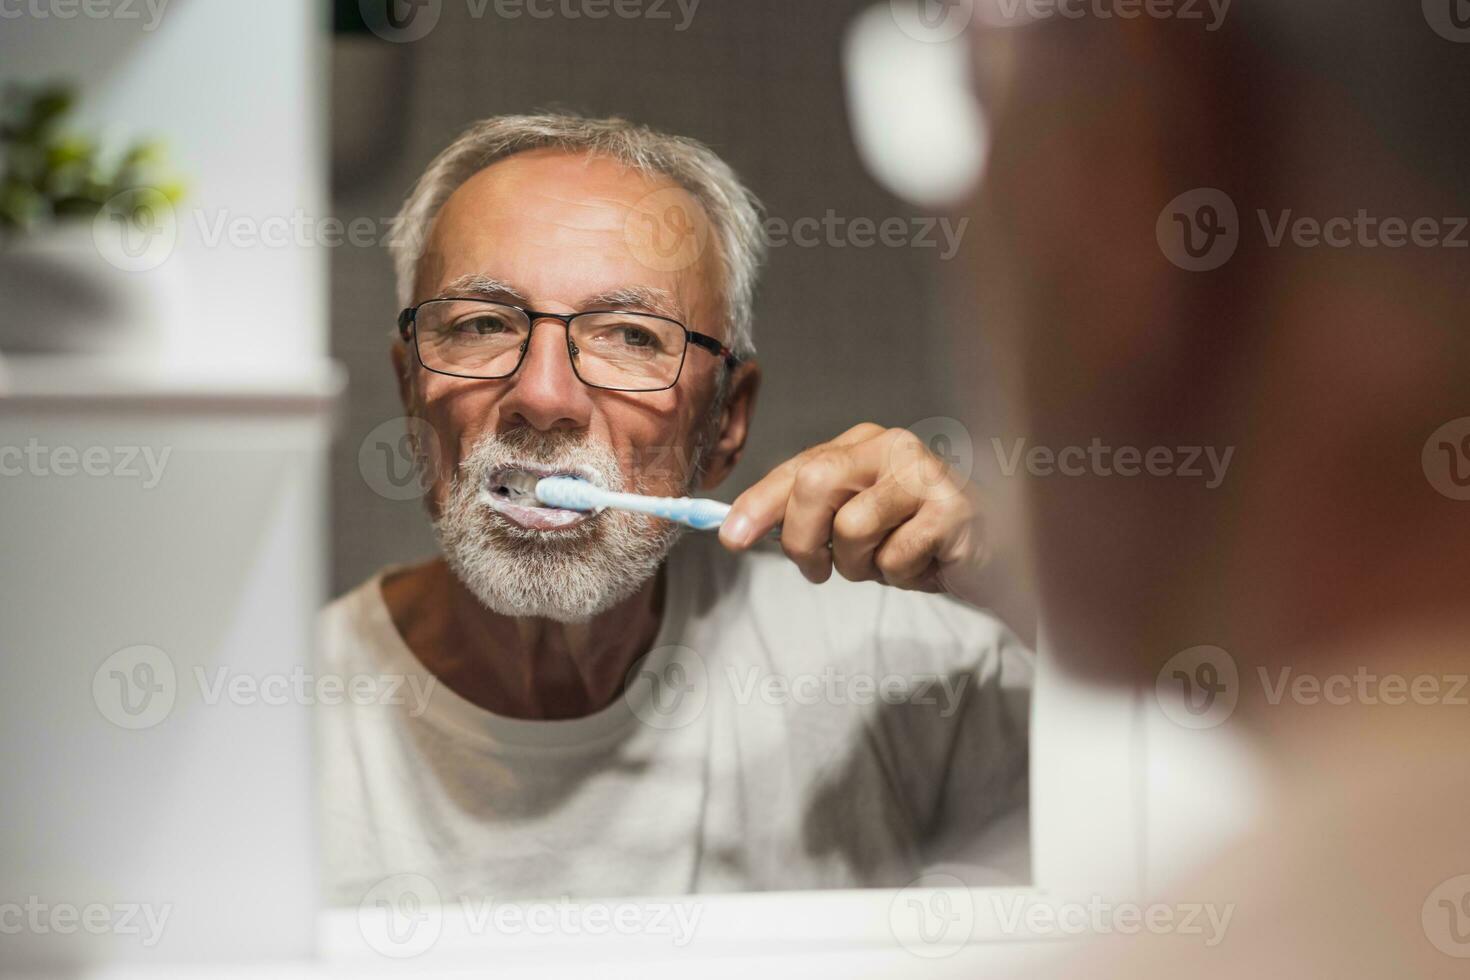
545, 392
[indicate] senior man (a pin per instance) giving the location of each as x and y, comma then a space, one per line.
616, 708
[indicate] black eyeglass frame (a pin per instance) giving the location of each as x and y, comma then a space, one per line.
408, 330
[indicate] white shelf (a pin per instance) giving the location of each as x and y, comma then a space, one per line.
51, 381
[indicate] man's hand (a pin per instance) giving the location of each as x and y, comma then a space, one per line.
892, 510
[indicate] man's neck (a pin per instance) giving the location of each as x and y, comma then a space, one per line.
520, 667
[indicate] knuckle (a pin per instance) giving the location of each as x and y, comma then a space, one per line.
888, 561
815, 477
853, 521
906, 441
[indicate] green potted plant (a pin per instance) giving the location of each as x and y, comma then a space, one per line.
85, 232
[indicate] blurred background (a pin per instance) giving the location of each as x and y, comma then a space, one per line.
848, 327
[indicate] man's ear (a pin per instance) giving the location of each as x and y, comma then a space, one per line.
403, 372
724, 453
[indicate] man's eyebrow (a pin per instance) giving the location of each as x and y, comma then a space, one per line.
483, 287
648, 299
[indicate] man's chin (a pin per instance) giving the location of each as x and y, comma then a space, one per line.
568, 575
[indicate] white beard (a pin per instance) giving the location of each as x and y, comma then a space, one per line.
568, 575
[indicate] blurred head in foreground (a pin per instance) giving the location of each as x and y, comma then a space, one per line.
1248, 242
1241, 240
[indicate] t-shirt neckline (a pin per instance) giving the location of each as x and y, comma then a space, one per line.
506, 735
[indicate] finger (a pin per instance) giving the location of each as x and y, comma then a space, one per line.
908, 558
821, 487
862, 524
763, 505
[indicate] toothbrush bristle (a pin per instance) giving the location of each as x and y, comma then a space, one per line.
566, 492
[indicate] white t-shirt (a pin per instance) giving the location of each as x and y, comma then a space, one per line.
778, 735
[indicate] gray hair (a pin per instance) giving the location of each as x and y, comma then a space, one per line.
733, 211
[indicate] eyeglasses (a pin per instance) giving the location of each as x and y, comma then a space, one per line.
612, 349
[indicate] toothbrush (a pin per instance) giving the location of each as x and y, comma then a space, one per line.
570, 493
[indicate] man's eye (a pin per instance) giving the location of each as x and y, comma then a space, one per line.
481, 326
635, 337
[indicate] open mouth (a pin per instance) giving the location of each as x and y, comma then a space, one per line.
511, 492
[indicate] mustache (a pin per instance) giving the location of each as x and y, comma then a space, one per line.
530, 448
